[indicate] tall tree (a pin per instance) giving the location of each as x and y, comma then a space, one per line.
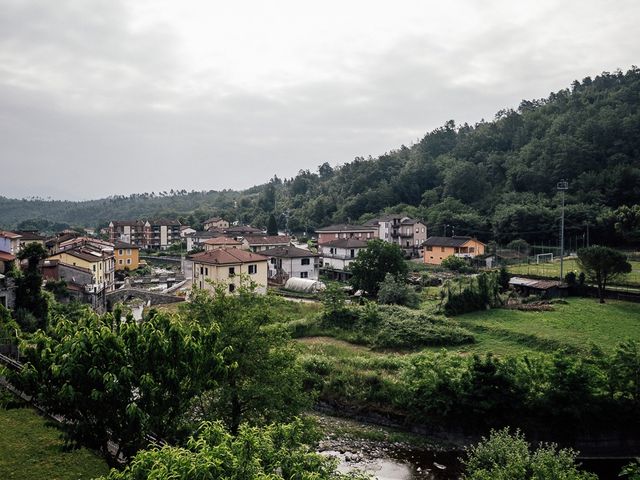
374, 262
29, 296
263, 382
272, 225
602, 265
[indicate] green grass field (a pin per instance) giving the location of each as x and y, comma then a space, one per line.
577, 325
574, 326
552, 270
31, 448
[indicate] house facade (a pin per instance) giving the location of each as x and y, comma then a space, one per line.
291, 262
436, 249
196, 240
339, 254
29, 236
9, 242
100, 263
215, 222
79, 282
230, 267
126, 255
148, 234
409, 234
336, 232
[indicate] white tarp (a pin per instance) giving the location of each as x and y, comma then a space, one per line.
304, 285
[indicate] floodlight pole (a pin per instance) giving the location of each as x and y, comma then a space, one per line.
562, 186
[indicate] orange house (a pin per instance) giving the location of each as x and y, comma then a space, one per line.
436, 249
127, 256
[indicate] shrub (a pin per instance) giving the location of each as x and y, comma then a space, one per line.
395, 291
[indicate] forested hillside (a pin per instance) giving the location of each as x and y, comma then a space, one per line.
496, 180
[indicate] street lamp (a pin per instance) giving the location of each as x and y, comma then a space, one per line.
562, 186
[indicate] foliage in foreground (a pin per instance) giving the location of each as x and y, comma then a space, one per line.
504, 456
274, 452
116, 380
263, 380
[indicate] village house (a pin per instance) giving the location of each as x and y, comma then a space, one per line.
337, 256
291, 262
335, 232
148, 234
436, 249
407, 233
196, 240
230, 267
259, 243
100, 262
9, 242
221, 242
79, 282
241, 231
29, 236
127, 256
215, 223
186, 230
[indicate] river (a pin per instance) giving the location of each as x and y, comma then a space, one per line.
405, 459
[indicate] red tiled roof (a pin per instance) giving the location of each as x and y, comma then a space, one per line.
8, 234
6, 257
222, 241
227, 256
268, 239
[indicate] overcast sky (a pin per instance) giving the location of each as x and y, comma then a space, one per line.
104, 97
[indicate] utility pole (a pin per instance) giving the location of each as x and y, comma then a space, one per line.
562, 187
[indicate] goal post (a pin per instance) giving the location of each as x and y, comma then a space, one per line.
544, 258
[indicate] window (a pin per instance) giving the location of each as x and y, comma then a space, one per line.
253, 269
472, 249
336, 235
422, 229
429, 249
206, 270
201, 270
232, 271
94, 268
120, 251
304, 274
304, 261
442, 249
273, 261
353, 253
128, 261
232, 287
120, 262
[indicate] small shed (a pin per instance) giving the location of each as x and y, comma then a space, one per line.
304, 285
543, 288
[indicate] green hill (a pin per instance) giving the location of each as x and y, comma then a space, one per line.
496, 179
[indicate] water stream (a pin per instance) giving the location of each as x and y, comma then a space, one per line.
389, 460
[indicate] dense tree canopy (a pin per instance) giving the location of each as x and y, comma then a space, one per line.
602, 265
373, 263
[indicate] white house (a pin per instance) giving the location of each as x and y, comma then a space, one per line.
338, 254
291, 262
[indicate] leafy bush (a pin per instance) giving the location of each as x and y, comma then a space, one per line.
504, 456
456, 264
420, 331
395, 291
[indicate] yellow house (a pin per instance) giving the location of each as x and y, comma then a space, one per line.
229, 266
436, 249
127, 256
100, 263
